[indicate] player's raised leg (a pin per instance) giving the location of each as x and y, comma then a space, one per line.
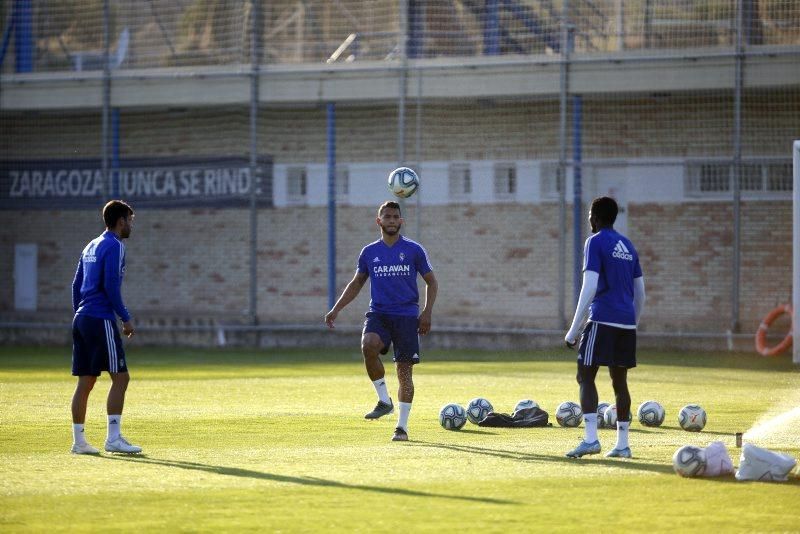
588, 393
80, 400
371, 347
406, 396
619, 379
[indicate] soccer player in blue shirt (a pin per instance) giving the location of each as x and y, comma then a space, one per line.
96, 343
391, 264
613, 295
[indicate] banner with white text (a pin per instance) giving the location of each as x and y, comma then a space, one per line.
151, 182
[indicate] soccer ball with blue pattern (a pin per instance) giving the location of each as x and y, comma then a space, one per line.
692, 418
601, 410
452, 417
403, 182
610, 416
689, 461
651, 413
478, 409
524, 404
569, 414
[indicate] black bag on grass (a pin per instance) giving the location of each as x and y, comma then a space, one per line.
524, 418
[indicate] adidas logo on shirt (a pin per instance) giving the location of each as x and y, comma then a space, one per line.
621, 251
376, 260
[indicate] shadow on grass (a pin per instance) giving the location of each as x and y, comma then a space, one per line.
305, 480
702, 432
470, 431
632, 464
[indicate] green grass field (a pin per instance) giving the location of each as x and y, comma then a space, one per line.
276, 441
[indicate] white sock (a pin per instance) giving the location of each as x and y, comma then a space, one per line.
622, 434
405, 409
114, 424
383, 392
77, 434
590, 428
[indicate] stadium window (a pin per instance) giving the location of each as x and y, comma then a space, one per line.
751, 177
548, 179
505, 181
342, 183
715, 179
779, 176
460, 181
296, 185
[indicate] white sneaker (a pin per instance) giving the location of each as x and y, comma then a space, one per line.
83, 448
120, 444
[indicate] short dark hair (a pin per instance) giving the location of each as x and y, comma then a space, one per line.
605, 210
389, 204
115, 210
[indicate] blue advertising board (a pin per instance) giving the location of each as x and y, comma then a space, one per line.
151, 182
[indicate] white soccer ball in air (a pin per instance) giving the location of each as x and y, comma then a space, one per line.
601, 410
651, 413
526, 403
610, 416
477, 409
569, 414
452, 417
692, 418
403, 182
689, 461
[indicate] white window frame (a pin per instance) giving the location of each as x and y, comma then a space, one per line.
713, 178
342, 184
297, 184
505, 177
548, 179
459, 176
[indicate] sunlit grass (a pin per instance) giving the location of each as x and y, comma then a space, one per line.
276, 440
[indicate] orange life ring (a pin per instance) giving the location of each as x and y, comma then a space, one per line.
761, 334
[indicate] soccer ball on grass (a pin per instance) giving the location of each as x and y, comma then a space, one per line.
525, 403
651, 413
569, 414
477, 409
689, 461
601, 410
452, 417
692, 418
610, 416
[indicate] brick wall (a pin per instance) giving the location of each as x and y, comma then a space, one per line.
497, 265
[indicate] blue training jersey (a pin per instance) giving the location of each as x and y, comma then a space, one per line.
613, 257
393, 275
97, 287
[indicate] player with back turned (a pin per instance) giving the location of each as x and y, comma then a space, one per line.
96, 343
391, 264
613, 296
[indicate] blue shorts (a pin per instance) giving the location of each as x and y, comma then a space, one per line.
96, 347
602, 344
398, 330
